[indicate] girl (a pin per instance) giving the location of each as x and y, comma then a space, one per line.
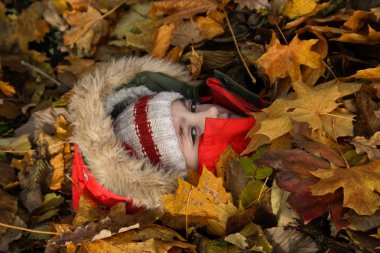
137, 128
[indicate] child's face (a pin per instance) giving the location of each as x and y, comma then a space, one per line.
189, 123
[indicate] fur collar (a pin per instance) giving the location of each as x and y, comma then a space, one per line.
107, 160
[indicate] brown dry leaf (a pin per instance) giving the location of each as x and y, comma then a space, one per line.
369, 146
181, 9
315, 105
7, 89
153, 238
87, 28
212, 24
78, 66
88, 210
371, 73
280, 61
196, 61
58, 175
360, 184
31, 26
186, 33
162, 41
222, 166
297, 8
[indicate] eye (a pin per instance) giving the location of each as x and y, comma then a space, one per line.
193, 134
193, 106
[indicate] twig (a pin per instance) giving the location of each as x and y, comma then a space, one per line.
328, 67
29, 230
41, 72
187, 216
283, 36
237, 47
336, 140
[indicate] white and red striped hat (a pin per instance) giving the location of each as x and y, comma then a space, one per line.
146, 127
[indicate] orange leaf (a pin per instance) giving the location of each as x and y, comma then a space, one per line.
281, 61
58, 175
371, 73
361, 185
357, 20
212, 24
162, 41
7, 89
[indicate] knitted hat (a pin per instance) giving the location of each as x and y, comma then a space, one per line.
146, 126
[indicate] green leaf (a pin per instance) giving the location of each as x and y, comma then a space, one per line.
251, 192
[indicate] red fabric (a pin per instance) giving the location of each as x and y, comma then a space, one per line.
88, 185
144, 130
223, 97
218, 135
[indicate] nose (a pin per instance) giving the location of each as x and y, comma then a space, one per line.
211, 112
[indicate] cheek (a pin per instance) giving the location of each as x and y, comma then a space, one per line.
191, 156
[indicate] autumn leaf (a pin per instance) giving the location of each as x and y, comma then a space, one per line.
357, 20
369, 146
202, 200
360, 184
181, 9
316, 106
62, 128
208, 200
196, 61
162, 41
87, 28
212, 24
58, 176
297, 8
371, 73
280, 61
7, 89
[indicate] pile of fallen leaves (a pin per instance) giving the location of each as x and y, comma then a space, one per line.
309, 180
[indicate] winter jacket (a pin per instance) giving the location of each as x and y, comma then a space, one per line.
105, 171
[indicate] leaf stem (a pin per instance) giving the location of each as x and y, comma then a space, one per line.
237, 47
29, 230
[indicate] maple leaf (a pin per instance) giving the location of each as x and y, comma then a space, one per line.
208, 200
87, 28
316, 106
280, 61
359, 185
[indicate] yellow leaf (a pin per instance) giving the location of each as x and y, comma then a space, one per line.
7, 89
62, 128
212, 24
162, 41
361, 186
316, 106
297, 8
58, 175
280, 61
371, 73
88, 210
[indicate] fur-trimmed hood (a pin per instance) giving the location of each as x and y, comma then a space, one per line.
108, 161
